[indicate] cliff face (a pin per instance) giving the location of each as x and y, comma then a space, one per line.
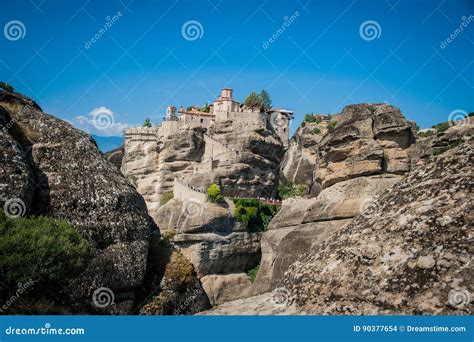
241, 154
412, 255
409, 252
347, 160
151, 165
59, 172
50, 168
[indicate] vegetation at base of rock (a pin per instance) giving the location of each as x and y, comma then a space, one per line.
214, 193
260, 101
168, 235
252, 273
40, 249
451, 145
147, 123
7, 87
315, 131
312, 118
167, 196
288, 189
179, 277
253, 214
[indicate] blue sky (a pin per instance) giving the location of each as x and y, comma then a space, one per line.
322, 61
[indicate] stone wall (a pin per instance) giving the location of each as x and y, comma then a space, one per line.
183, 192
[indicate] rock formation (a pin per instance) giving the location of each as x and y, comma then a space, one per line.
412, 255
50, 168
409, 252
364, 152
115, 156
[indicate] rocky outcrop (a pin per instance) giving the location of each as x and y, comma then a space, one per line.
57, 170
151, 165
302, 224
115, 156
181, 292
299, 162
412, 255
347, 159
221, 288
209, 236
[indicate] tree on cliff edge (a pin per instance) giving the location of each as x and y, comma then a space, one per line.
147, 123
266, 101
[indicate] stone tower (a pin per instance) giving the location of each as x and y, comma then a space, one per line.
171, 113
280, 119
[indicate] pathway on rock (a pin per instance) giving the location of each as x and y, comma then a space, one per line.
270, 303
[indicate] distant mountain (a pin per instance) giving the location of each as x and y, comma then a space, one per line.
107, 143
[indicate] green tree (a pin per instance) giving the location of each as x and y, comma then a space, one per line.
214, 193
7, 87
252, 273
253, 101
255, 216
265, 100
40, 249
205, 108
147, 123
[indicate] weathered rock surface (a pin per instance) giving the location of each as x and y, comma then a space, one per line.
58, 171
302, 224
412, 255
151, 165
115, 156
222, 288
368, 139
209, 237
180, 292
346, 167
270, 303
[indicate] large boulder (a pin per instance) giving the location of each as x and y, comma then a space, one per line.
302, 224
411, 255
58, 171
346, 160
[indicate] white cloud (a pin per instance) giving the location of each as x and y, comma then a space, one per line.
100, 121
